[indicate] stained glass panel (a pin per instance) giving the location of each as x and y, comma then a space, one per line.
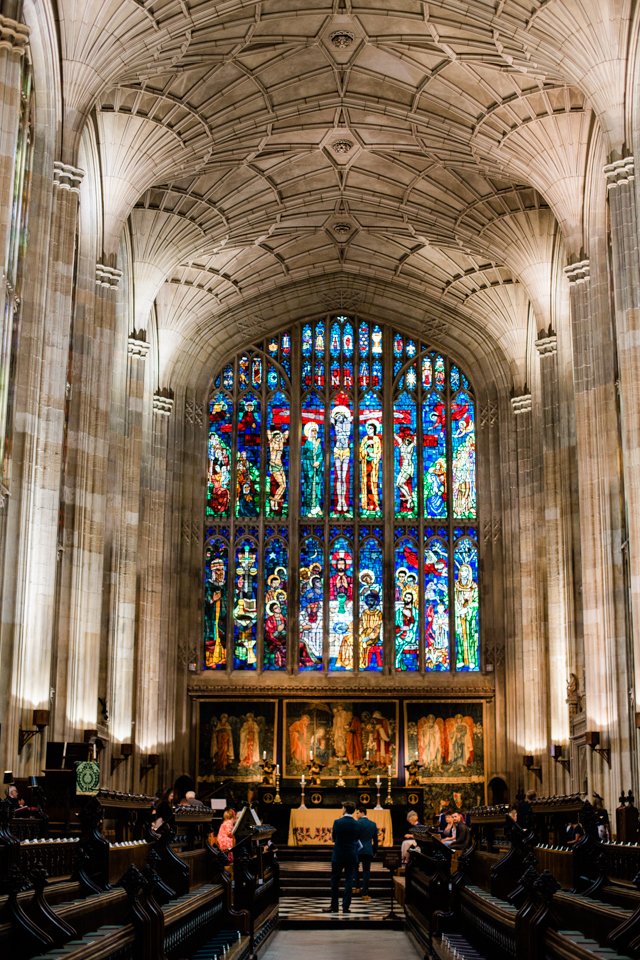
311, 620
215, 604
436, 602
312, 457
341, 456
341, 605
406, 604
276, 604
245, 604
370, 594
248, 460
277, 478
434, 437
219, 472
404, 422
463, 442
370, 456
467, 632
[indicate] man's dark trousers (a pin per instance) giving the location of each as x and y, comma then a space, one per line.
344, 857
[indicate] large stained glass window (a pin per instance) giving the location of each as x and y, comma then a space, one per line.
341, 507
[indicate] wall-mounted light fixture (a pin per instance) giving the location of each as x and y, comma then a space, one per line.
8, 777
41, 721
535, 769
556, 754
592, 739
126, 749
152, 760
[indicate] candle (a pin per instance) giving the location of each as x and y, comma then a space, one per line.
302, 780
389, 770
277, 769
264, 754
367, 755
378, 780
310, 754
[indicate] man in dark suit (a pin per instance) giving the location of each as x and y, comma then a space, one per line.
346, 839
369, 840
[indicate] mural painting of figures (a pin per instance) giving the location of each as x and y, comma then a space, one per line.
446, 739
232, 738
340, 733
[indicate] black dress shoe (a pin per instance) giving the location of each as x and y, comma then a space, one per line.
348, 910
329, 909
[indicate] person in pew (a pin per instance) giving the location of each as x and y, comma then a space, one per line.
346, 837
190, 800
448, 832
368, 835
163, 810
408, 842
225, 839
462, 838
574, 832
17, 805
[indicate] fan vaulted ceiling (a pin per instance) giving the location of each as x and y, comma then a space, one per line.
342, 150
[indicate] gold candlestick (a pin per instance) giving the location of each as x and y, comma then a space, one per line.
388, 800
277, 798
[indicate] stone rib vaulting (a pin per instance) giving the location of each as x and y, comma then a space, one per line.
183, 179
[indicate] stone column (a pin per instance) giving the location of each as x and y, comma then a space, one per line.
157, 654
530, 685
620, 177
125, 556
604, 656
557, 542
31, 556
85, 489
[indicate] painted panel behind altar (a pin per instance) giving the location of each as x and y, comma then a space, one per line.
446, 740
339, 733
233, 737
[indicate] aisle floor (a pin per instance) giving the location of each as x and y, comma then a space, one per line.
340, 944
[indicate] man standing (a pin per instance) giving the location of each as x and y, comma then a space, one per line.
345, 836
369, 840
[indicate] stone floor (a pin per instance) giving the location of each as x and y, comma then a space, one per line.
341, 944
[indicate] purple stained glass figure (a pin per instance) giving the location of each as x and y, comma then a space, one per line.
406, 605
371, 629
311, 619
245, 605
341, 606
278, 414
436, 600
465, 561
275, 605
215, 604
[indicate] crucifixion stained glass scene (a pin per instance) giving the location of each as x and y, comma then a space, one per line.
341, 511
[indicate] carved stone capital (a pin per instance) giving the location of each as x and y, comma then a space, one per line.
107, 277
14, 36
521, 404
619, 172
66, 177
163, 403
547, 346
137, 347
578, 272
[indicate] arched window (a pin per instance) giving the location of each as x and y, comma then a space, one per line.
341, 506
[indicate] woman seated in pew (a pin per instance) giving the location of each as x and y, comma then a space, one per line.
163, 810
574, 833
408, 842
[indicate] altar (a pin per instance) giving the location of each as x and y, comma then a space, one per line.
313, 826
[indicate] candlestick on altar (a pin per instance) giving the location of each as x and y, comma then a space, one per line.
388, 800
303, 805
277, 798
378, 785
340, 781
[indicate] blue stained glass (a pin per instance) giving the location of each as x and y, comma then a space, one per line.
217, 382
307, 341
411, 378
465, 382
272, 347
335, 374
436, 602
227, 377
427, 373
306, 373
454, 379
347, 374
376, 375
248, 458
215, 604
312, 457
272, 378
435, 456
319, 374
219, 470
363, 339
243, 372
311, 622
463, 442
319, 339
285, 353
347, 340
341, 457
364, 378
370, 592
396, 367
411, 348
405, 466
341, 606
334, 343
406, 605
370, 456
439, 372
245, 605
277, 474
276, 605
465, 563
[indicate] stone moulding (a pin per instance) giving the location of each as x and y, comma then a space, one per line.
66, 177
521, 404
14, 36
577, 272
342, 39
163, 404
619, 172
107, 276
